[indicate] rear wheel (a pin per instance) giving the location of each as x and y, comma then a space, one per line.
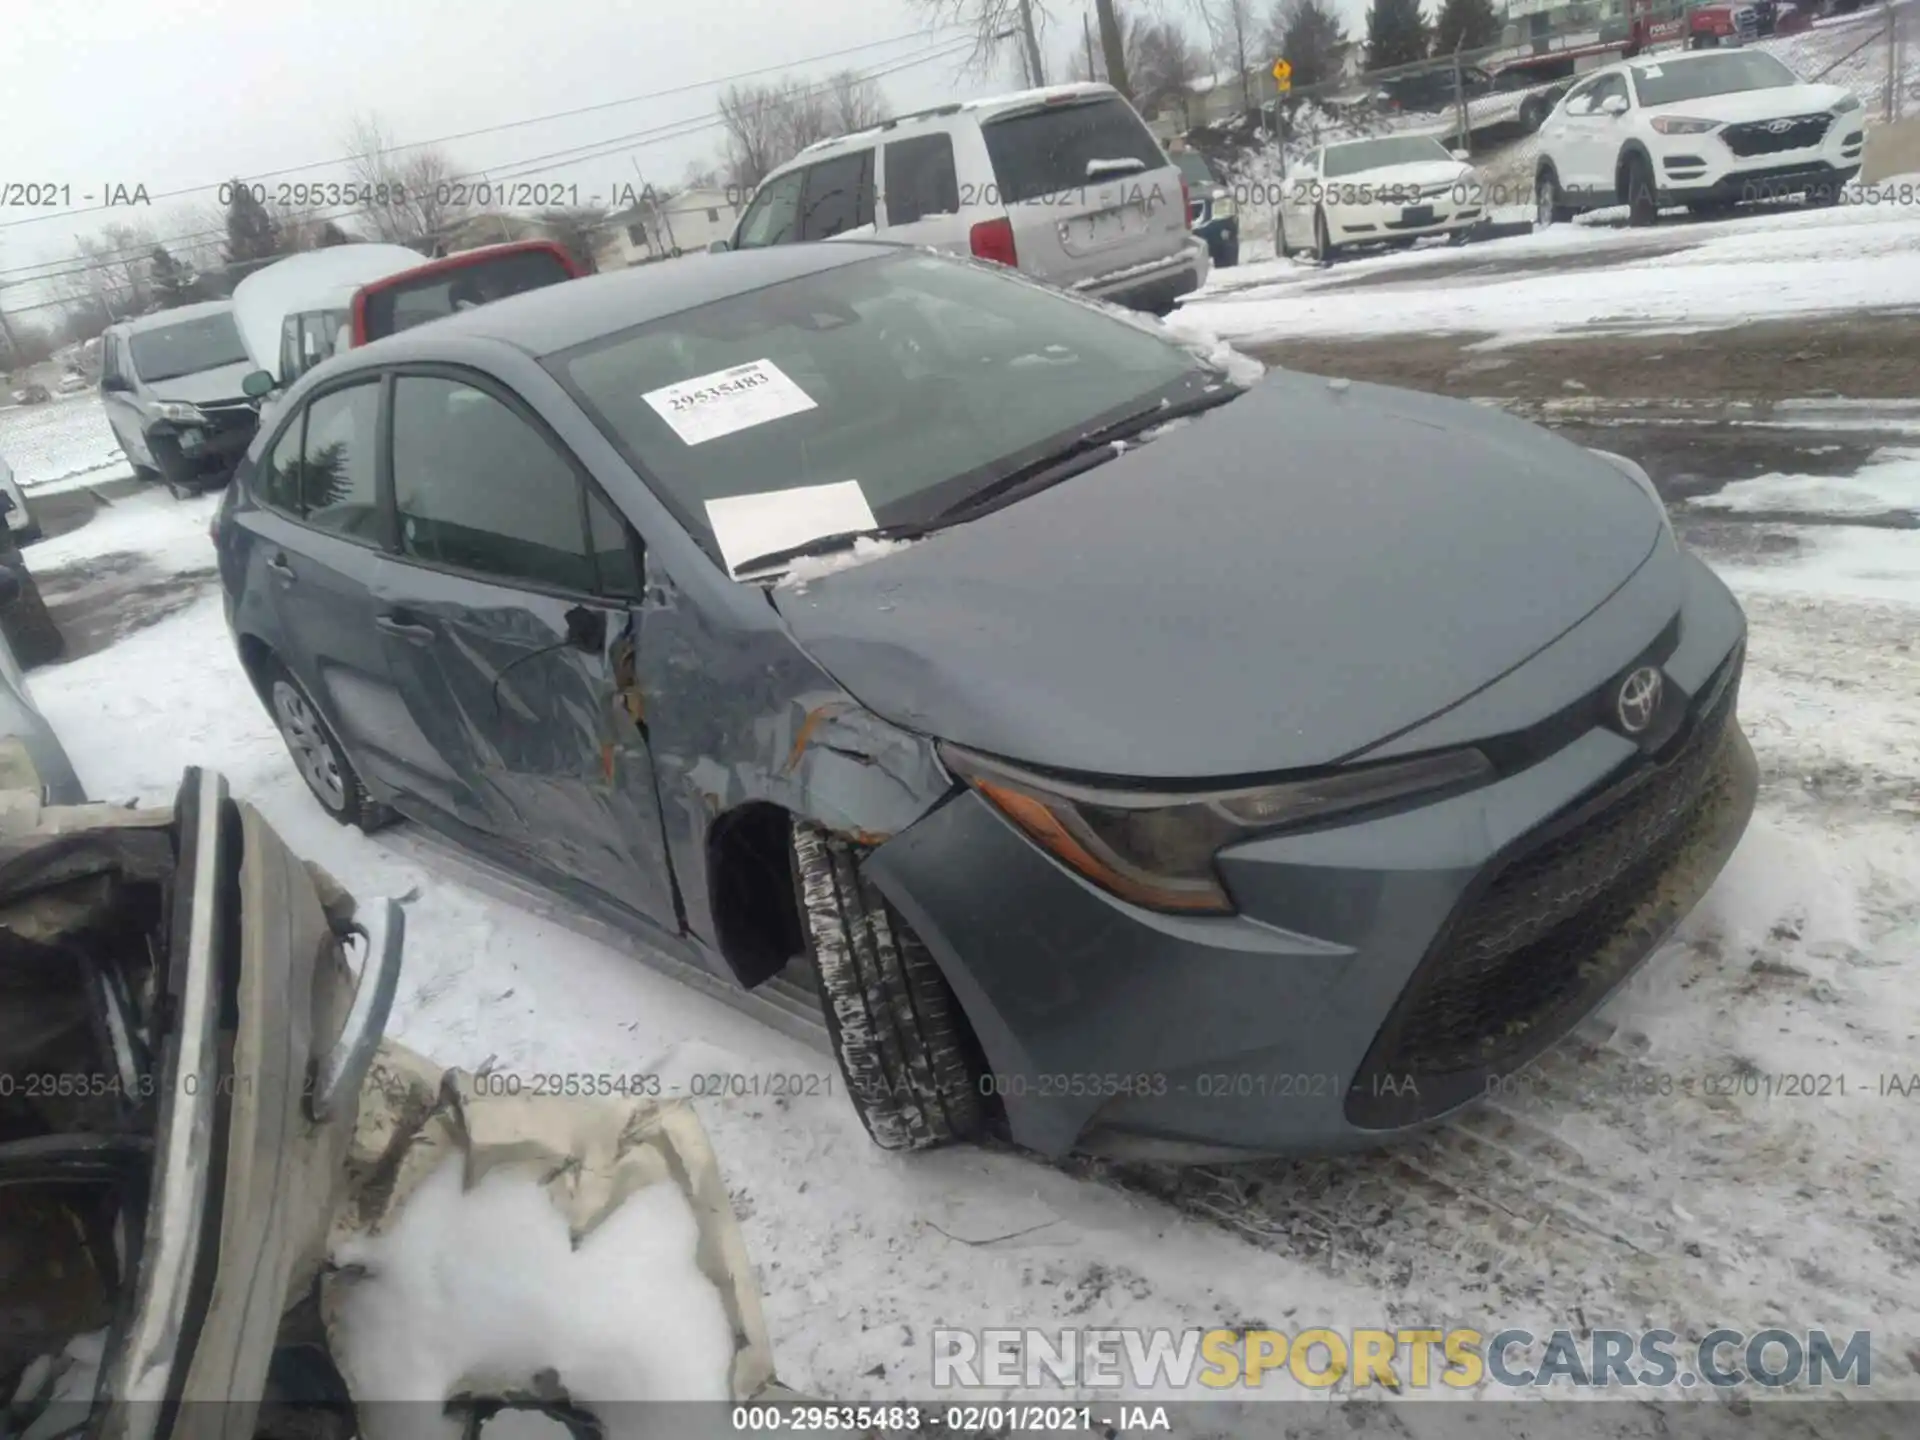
29, 628
317, 753
1643, 203
1323, 245
1281, 245
910, 1063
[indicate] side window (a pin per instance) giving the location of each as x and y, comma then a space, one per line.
615, 552
773, 218
1609, 87
1580, 98
316, 339
920, 179
479, 488
337, 490
277, 482
838, 197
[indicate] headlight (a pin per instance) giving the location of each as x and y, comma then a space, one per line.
1847, 106
1683, 125
1156, 849
179, 412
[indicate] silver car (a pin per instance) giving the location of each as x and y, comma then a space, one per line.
1065, 183
171, 386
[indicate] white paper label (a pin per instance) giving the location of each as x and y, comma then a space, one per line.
709, 406
750, 525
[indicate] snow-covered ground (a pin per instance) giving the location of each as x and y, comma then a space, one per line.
1785, 262
1592, 1199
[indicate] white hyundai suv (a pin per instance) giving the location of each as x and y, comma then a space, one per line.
1707, 130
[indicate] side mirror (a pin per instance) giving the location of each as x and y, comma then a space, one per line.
10, 586
1614, 105
718, 247
1461, 155
257, 384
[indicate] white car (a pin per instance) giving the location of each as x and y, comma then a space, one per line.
1707, 130
1392, 190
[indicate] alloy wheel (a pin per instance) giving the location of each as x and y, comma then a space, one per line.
312, 750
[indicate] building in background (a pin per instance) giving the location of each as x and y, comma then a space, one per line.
675, 224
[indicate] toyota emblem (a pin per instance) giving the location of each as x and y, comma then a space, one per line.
1639, 700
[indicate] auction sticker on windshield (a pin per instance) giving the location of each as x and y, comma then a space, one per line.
745, 526
709, 406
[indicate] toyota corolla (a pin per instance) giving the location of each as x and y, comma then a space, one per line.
1125, 758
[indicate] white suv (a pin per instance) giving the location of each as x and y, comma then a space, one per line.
1065, 183
1707, 130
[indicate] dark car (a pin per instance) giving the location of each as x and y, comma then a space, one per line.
1261, 783
171, 384
1425, 90
1212, 213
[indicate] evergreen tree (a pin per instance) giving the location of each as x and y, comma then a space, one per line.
1308, 35
251, 233
1396, 34
1467, 25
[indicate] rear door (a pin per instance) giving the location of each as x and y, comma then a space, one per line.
312, 531
1086, 186
1572, 136
506, 617
837, 199
920, 191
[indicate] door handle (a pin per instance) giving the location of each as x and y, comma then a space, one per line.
412, 634
278, 564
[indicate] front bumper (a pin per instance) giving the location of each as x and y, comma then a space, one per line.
1443, 945
1458, 209
1705, 169
194, 452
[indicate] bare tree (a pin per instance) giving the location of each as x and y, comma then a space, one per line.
1233, 35
1163, 65
112, 271
578, 229
768, 124
993, 21
410, 197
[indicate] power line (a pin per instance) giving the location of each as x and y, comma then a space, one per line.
496, 129
592, 150
671, 130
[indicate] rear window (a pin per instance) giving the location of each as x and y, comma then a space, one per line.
1044, 151
186, 348
398, 305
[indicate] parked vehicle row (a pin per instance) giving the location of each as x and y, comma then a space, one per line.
1394, 190
857, 608
1065, 183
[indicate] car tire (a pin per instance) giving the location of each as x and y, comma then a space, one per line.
27, 624
1323, 247
910, 1063
1280, 245
1637, 188
318, 754
1532, 114
1549, 207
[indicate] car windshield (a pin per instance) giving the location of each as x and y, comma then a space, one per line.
921, 379
1193, 165
1701, 75
1378, 154
187, 348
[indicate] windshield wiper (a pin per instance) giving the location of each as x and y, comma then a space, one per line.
825, 545
1083, 453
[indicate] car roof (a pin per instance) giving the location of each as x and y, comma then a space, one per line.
984, 108
558, 317
161, 318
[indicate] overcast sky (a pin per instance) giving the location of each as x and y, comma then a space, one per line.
193, 92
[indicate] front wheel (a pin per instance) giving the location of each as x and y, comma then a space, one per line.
1323, 245
909, 1061
1643, 203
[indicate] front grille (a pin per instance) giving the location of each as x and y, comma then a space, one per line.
1758, 137
1538, 940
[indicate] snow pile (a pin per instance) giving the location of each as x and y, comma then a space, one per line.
1890, 483
806, 568
479, 1291
171, 534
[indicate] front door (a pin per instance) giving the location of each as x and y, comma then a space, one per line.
506, 619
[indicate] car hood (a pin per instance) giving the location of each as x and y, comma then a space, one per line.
1276, 585
1419, 172
1769, 104
207, 387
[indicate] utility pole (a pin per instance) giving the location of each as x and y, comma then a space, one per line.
1086, 30
1893, 61
1112, 45
1036, 72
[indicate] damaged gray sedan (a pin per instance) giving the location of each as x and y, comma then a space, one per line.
1129, 759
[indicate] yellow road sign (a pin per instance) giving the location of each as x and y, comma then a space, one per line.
1283, 74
